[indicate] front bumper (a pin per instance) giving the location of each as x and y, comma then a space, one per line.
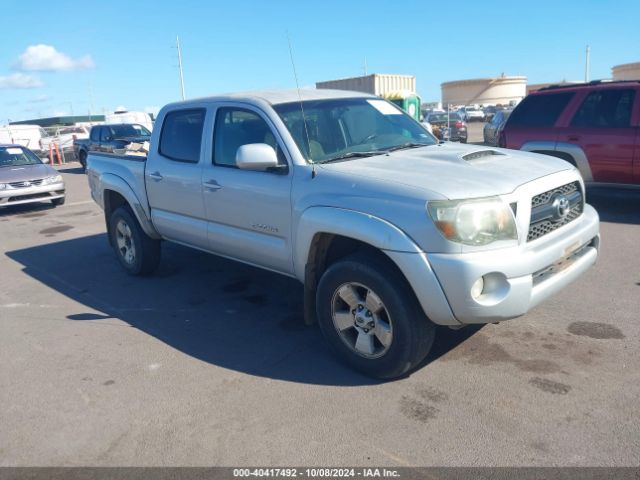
40, 193
518, 278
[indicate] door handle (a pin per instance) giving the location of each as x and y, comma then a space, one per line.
212, 185
155, 176
574, 138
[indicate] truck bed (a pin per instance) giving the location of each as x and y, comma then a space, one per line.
129, 168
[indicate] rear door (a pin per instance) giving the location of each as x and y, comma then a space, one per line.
173, 177
602, 127
248, 212
534, 119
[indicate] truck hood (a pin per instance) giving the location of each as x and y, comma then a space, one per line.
455, 170
25, 172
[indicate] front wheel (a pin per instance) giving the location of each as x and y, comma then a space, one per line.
138, 253
370, 316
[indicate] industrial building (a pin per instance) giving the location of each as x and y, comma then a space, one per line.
60, 121
375, 84
503, 90
627, 71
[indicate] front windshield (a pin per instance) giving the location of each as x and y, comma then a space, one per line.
338, 128
17, 156
129, 130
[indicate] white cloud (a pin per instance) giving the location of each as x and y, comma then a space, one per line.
43, 57
20, 80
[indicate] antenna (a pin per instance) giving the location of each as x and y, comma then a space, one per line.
304, 120
586, 65
180, 65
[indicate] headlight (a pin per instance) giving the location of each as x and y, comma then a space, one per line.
52, 179
474, 222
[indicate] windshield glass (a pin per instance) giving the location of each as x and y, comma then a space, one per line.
129, 130
17, 156
336, 128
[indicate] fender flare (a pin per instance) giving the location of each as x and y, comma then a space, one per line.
582, 163
349, 223
109, 181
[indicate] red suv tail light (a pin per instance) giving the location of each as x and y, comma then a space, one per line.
459, 124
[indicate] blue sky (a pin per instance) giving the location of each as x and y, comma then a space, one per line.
114, 53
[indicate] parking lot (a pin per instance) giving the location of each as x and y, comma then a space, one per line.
208, 363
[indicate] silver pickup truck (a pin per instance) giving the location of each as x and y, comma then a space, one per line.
390, 231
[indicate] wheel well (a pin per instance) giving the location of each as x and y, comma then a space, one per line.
112, 201
326, 249
562, 155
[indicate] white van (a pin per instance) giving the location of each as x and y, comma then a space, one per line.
123, 116
26, 135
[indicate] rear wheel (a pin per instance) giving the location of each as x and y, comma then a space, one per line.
138, 253
370, 316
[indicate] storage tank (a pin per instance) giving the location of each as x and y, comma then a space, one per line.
501, 90
627, 71
375, 84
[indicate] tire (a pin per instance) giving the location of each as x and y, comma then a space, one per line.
58, 201
82, 157
400, 321
463, 140
138, 253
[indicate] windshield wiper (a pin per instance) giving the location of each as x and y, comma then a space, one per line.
408, 145
353, 155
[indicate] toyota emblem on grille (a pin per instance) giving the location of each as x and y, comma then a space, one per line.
562, 207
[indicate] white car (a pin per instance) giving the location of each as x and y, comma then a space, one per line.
471, 114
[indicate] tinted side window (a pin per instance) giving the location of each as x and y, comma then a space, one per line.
181, 135
540, 110
106, 134
605, 109
95, 133
236, 127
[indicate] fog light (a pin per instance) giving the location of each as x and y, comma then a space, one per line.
477, 288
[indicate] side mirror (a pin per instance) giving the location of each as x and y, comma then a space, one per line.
256, 156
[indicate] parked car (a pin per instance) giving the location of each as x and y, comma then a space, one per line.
107, 138
489, 112
492, 129
26, 135
594, 126
63, 137
390, 231
25, 179
448, 127
471, 114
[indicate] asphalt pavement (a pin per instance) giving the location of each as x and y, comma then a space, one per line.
208, 363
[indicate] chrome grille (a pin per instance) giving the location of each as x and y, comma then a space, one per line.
27, 183
544, 214
544, 198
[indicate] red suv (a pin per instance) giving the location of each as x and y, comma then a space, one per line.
595, 126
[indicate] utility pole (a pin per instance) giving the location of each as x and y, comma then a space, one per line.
180, 65
586, 65
365, 66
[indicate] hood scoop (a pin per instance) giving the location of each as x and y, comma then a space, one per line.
469, 157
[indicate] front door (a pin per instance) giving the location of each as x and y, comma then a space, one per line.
248, 212
602, 128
